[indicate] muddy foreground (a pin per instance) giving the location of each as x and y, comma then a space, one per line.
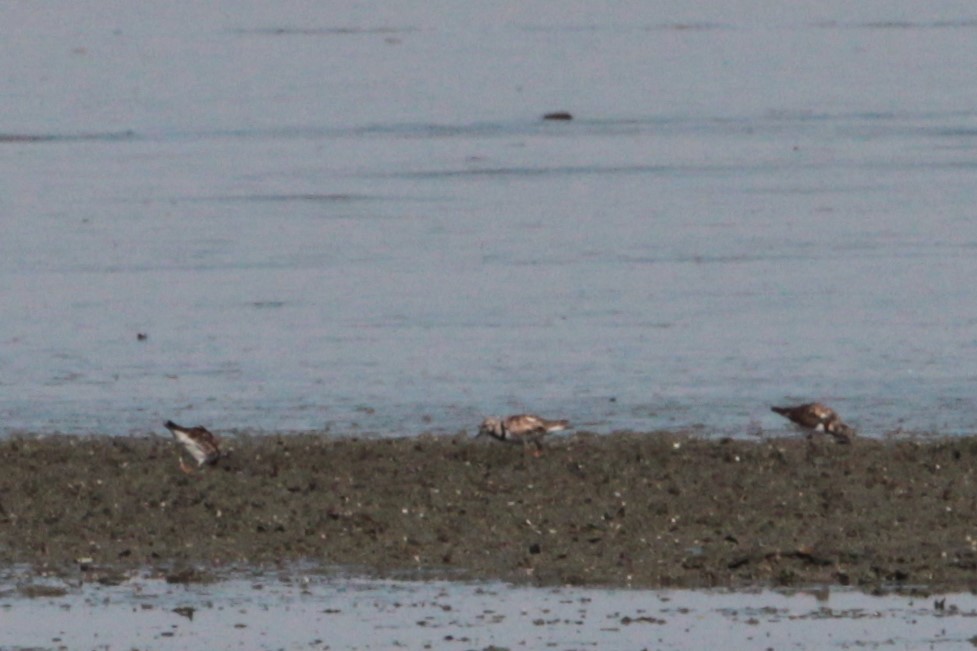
641, 510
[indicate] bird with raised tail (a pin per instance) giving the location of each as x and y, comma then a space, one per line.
521, 429
817, 417
202, 445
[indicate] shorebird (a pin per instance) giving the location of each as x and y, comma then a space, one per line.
842, 433
521, 429
818, 418
199, 442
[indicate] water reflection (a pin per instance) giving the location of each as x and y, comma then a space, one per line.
295, 610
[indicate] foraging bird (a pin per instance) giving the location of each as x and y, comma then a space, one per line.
521, 429
842, 433
202, 445
818, 418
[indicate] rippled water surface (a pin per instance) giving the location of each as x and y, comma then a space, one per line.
353, 217
315, 613
310, 612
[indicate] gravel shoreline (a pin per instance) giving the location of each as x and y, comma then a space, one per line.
655, 510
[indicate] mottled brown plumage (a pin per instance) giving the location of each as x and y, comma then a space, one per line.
521, 429
202, 445
817, 417
841, 432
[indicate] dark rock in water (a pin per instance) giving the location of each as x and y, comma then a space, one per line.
558, 115
40, 591
141, 336
187, 575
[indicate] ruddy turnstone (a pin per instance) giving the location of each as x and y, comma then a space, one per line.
521, 429
818, 418
199, 442
842, 433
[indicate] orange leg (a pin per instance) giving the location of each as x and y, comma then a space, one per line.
185, 468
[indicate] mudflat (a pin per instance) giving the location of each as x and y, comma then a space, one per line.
643, 510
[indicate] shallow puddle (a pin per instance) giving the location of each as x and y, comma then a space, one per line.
316, 612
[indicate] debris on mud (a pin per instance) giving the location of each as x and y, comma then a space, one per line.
641, 510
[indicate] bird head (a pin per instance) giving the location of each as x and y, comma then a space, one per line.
490, 427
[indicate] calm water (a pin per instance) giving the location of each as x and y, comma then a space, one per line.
352, 217
315, 613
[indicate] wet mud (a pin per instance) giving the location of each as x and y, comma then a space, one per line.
642, 510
